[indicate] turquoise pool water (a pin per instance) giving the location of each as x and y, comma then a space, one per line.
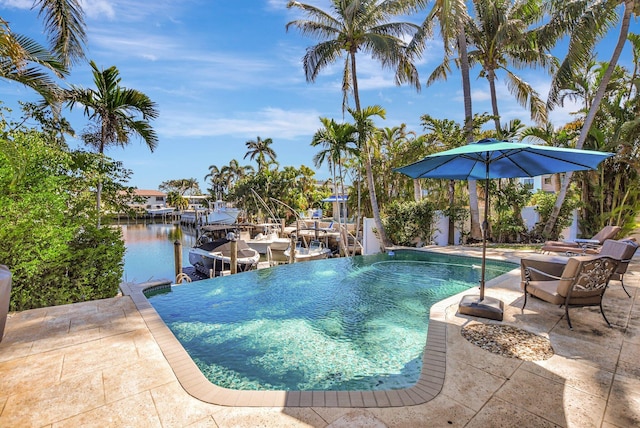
338, 324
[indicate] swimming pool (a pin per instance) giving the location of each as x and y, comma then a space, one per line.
338, 324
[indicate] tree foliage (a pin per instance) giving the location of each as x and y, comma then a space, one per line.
182, 186
48, 237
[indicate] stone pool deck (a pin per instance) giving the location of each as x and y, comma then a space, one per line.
98, 364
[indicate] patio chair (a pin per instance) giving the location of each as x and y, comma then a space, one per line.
583, 282
582, 246
623, 251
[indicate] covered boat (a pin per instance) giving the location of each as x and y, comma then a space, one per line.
214, 255
269, 238
315, 251
219, 213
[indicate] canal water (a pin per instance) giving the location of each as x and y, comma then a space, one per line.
149, 252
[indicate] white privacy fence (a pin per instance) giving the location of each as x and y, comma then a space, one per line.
371, 244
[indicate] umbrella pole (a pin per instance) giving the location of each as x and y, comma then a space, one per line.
485, 226
479, 306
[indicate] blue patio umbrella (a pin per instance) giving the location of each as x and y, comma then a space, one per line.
490, 158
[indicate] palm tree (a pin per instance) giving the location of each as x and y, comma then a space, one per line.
359, 26
594, 20
115, 111
451, 16
233, 172
444, 134
27, 61
217, 182
64, 26
338, 141
550, 136
503, 34
260, 149
367, 132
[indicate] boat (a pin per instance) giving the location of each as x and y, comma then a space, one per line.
220, 212
315, 251
159, 210
268, 239
213, 256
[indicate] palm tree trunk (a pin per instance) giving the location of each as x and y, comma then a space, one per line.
452, 224
344, 249
491, 77
417, 190
98, 196
595, 105
476, 231
367, 164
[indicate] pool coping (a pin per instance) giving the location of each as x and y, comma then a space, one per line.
197, 385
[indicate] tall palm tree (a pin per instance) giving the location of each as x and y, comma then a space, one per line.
26, 61
392, 141
117, 112
218, 184
362, 26
366, 133
233, 172
260, 150
451, 16
444, 134
595, 18
338, 140
504, 35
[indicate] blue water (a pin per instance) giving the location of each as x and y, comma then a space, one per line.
150, 250
338, 324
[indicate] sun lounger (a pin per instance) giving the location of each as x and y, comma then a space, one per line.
582, 246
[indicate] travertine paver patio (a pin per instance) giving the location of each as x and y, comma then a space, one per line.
98, 364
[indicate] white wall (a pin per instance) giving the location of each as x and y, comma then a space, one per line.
531, 217
370, 241
441, 233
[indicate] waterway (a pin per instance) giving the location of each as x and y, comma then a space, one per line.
150, 250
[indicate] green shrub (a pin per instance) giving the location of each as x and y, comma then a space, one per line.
544, 203
48, 236
408, 223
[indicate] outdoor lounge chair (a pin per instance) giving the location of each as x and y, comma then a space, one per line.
581, 246
622, 250
583, 282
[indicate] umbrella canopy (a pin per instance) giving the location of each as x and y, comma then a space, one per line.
490, 158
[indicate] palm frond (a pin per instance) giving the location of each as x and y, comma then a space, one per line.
64, 24
527, 97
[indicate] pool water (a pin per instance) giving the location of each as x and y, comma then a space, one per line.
338, 324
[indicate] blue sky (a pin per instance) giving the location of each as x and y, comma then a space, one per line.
223, 72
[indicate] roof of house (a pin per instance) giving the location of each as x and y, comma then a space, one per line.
145, 192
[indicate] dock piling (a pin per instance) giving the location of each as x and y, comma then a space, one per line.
177, 257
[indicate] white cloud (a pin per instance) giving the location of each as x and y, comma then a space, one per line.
274, 122
18, 4
98, 9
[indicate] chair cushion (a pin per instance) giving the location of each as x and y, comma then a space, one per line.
545, 290
561, 244
622, 250
607, 232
